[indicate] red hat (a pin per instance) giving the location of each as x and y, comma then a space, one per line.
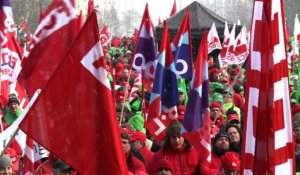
230, 161
181, 110
14, 157
119, 67
215, 105
163, 163
214, 71
231, 117
137, 135
295, 109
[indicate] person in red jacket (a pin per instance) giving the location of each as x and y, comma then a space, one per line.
134, 160
178, 151
220, 147
138, 140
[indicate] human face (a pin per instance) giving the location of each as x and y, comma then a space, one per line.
13, 107
125, 145
297, 132
181, 97
215, 112
137, 144
222, 143
177, 141
233, 135
164, 171
7, 170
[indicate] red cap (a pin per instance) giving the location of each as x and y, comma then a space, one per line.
119, 66
163, 163
137, 135
13, 155
230, 161
231, 117
215, 105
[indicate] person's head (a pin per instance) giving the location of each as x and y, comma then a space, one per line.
181, 96
174, 138
230, 163
6, 165
214, 75
14, 158
125, 142
163, 167
239, 89
234, 133
61, 168
138, 140
215, 109
233, 118
125, 73
221, 143
296, 127
227, 96
13, 102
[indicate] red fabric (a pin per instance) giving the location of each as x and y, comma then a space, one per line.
90, 7
147, 154
46, 54
219, 122
230, 161
70, 116
136, 165
239, 101
174, 9
183, 163
28, 158
137, 135
213, 167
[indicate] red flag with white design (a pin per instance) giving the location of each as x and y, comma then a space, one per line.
9, 50
241, 51
213, 40
226, 38
59, 25
28, 158
105, 36
267, 134
135, 88
58, 119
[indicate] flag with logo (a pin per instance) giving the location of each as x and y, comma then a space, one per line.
164, 97
58, 120
267, 135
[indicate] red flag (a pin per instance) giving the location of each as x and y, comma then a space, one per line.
90, 7
196, 123
42, 13
51, 42
174, 9
9, 51
105, 35
68, 121
28, 158
267, 137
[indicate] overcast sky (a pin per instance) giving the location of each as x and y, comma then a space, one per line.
157, 8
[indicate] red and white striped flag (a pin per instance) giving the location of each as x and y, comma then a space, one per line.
28, 158
135, 87
267, 138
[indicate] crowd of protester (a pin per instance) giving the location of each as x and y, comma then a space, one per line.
174, 155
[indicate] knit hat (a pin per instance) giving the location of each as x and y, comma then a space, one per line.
138, 121
13, 98
230, 161
163, 164
228, 91
174, 129
60, 165
238, 88
217, 97
214, 71
137, 135
215, 105
5, 161
220, 134
216, 87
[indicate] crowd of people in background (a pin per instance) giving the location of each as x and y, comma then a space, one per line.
174, 155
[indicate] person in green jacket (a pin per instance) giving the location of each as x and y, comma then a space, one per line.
14, 110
